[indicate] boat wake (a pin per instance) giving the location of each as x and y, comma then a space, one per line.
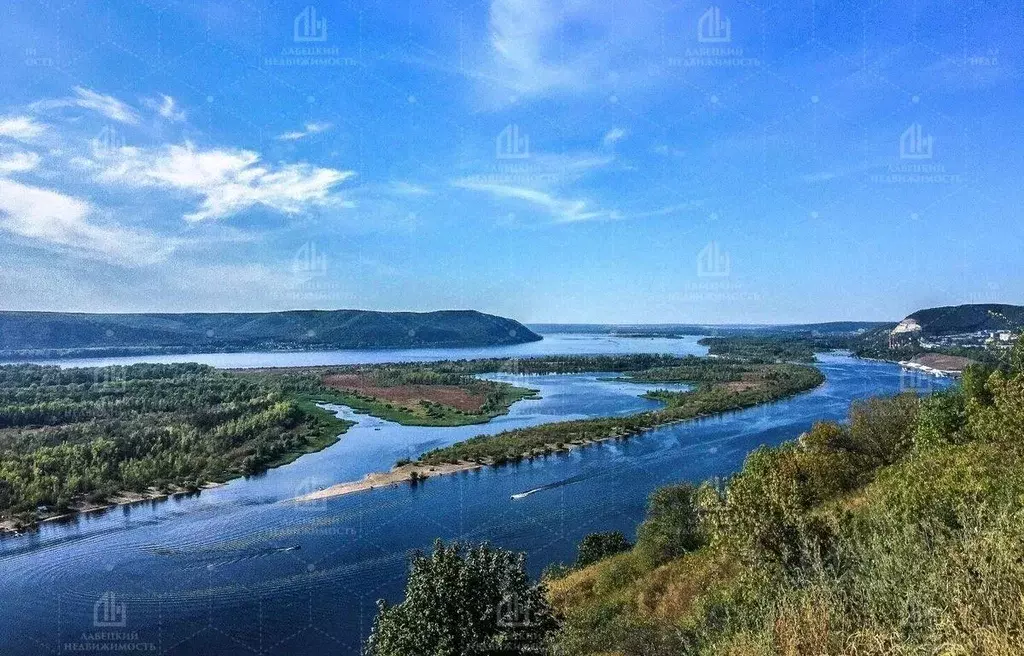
551, 486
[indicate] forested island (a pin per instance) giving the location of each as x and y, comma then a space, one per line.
82, 439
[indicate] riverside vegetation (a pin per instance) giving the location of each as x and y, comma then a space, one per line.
73, 439
82, 438
900, 531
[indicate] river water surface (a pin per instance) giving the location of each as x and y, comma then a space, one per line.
240, 570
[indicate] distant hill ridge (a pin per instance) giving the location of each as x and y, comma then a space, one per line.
958, 319
22, 332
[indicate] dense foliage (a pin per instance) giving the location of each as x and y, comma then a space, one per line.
758, 384
898, 532
70, 436
464, 603
769, 348
597, 546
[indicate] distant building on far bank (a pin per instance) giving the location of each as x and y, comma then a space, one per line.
1001, 338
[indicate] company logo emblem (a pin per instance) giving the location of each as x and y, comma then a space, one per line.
307, 28
712, 27
914, 144
510, 144
108, 612
713, 262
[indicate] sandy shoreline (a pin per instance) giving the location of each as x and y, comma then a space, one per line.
120, 499
404, 473
387, 479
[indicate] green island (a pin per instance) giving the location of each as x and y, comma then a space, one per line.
78, 439
82, 439
721, 385
899, 531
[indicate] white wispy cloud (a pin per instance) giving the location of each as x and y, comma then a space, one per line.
613, 136
57, 220
307, 130
166, 107
561, 209
22, 128
227, 181
18, 161
519, 33
409, 189
531, 54
108, 106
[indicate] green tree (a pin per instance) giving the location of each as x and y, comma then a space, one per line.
672, 526
596, 546
465, 602
941, 419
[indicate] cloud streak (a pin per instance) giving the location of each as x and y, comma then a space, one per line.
227, 181
60, 221
107, 106
166, 107
562, 210
307, 130
21, 128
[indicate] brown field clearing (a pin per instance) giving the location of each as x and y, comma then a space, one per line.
409, 395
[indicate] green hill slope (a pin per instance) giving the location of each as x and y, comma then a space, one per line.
955, 319
29, 333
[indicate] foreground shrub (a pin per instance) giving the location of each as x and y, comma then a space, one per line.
672, 526
598, 546
465, 602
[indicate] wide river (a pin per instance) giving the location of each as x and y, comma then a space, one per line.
240, 570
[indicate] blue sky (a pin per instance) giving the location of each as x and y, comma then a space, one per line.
548, 160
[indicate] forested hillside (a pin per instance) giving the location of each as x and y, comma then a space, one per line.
29, 334
969, 318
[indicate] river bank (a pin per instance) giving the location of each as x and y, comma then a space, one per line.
680, 407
